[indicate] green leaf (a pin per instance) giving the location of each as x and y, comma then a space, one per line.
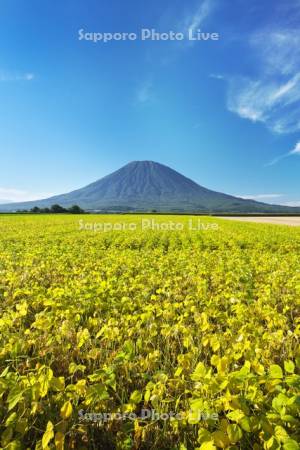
269, 444
178, 372
22, 426
14, 397
290, 444
214, 360
234, 433
59, 440
73, 367
6, 436
129, 348
136, 397
66, 410
215, 343
5, 372
95, 393
45, 376
293, 380
199, 372
197, 404
220, 439
203, 435
48, 435
280, 434
208, 446
11, 419
289, 419
279, 402
275, 371
82, 337
245, 424
289, 366
57, 384
236, 415
14, 445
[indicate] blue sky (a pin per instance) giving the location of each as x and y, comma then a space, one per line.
225, 113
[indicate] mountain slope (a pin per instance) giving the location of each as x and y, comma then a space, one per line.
146, 185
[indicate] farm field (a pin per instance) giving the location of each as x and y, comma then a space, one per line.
177, 333
292, 221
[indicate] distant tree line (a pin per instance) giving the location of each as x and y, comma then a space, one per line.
54, 209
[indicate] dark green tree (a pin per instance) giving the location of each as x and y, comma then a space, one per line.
57, 209
35, 210
75, 209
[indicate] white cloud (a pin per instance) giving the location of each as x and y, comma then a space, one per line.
260, 197
274, 103
195, 19
29, 76
277, 49
217, 76
295, 151
145, 92
294, 203
16, 195
9, 76
270, 199
273, 97
192, 16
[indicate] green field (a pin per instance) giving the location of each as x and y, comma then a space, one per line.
196, 323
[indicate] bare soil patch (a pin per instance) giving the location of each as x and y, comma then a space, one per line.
292, 221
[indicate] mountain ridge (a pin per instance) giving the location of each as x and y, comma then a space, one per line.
148, 185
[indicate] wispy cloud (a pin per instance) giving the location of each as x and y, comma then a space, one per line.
273, 97
217, 76
194, 19
277, 49
16, 195
295, 151
260, 197
10, 76
294, 203
145, 92
193, 15
274, 103
270, 199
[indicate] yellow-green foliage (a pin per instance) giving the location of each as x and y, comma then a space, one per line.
173, 321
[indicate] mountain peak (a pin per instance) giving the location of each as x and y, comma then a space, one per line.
148, 185
145, 163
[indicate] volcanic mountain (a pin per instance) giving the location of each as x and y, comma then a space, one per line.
148, 186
